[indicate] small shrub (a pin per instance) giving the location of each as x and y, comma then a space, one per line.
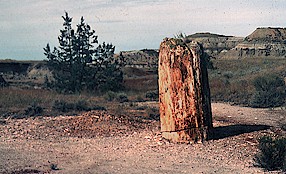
208, 61
110, 96
99, 108
228, 74
153, 113
152, 95
270, 92
139, 99
63, 106
34, 110
47, 84
81, 105
264, 99
122, 97
272, 154
141, 108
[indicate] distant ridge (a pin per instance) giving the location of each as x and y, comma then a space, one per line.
206, 34
214, 44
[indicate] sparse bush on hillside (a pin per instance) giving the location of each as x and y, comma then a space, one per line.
272, 155
153, 113
120, 97
3, 82
98, 108
78, 64
139, 99
62, 106
228, 74
34, 110
152, 95
80, 105
110, 96
270, 92
208, 61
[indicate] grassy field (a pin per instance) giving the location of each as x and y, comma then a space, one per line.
232, 80
16, 101
19, 103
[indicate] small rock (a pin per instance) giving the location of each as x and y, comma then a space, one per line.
147, 137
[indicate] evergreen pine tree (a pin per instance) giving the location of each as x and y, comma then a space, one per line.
78, 64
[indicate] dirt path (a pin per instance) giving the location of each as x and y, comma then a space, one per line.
33, 145
237, 114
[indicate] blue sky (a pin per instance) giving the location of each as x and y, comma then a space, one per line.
26, 26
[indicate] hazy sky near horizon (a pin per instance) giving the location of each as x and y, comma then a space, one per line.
26, 26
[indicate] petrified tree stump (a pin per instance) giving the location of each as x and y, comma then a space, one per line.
185, 109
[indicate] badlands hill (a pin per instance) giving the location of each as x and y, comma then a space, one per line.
267, 35
145, 58
215, 44
263, 42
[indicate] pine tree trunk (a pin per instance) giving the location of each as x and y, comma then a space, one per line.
185, 109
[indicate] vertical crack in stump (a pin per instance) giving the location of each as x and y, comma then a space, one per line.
185, 109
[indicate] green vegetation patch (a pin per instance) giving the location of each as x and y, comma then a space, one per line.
272, 155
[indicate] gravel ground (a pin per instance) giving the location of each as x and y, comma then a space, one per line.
98, 142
